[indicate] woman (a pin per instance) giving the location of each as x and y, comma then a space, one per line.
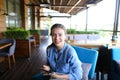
62, 60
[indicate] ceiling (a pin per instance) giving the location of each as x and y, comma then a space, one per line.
71, 7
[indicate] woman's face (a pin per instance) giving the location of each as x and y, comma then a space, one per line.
58, 37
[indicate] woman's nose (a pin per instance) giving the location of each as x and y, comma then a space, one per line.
57, 37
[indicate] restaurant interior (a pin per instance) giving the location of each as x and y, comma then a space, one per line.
25, 35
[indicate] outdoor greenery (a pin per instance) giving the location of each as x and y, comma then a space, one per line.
34, 31
73, 31
16, 33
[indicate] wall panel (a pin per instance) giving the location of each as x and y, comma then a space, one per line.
2, 18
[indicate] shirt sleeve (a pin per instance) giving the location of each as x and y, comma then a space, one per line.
48, 54
75, 65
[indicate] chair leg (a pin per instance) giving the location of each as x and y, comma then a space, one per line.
102, 76
2, 59
13, 57
109, 78
97, 75
34, 43
9, 64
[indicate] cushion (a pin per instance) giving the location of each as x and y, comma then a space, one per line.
117, 65
86, 68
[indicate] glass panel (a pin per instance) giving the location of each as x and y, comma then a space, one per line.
29, 18
13, 9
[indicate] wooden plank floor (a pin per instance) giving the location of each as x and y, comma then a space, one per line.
24, 67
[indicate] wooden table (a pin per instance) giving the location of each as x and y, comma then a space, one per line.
87, 45
117, 45
95, 44
2, 46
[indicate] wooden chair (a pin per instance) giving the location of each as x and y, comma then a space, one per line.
9, 51
32, 40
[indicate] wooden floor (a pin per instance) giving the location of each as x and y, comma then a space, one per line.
25, 68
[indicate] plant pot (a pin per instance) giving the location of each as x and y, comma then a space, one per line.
23, 48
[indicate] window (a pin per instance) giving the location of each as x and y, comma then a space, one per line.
14, 17
100, 16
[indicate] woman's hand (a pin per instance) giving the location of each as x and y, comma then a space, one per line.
59, 76
46, 68
54, 75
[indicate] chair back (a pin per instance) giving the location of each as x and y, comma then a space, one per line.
87, 56
114, 70
10, 49
115, 53
32, 39
5, 40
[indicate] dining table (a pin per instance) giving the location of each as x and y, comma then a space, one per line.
2, 46
86, 44
94, 44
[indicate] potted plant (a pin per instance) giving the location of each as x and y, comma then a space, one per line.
23, 46
17, 33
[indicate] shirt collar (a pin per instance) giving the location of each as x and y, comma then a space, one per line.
61, 51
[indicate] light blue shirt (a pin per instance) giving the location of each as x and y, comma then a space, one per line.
64, 61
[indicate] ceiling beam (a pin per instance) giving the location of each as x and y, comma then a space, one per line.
49, 2
60, 3
74, 6
64, 6
67, 6
54, 3
55, 16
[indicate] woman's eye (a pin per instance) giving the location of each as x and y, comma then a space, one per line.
60, 34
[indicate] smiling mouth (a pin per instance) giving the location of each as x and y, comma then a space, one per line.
57, 42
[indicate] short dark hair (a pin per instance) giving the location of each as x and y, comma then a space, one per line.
58, 26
